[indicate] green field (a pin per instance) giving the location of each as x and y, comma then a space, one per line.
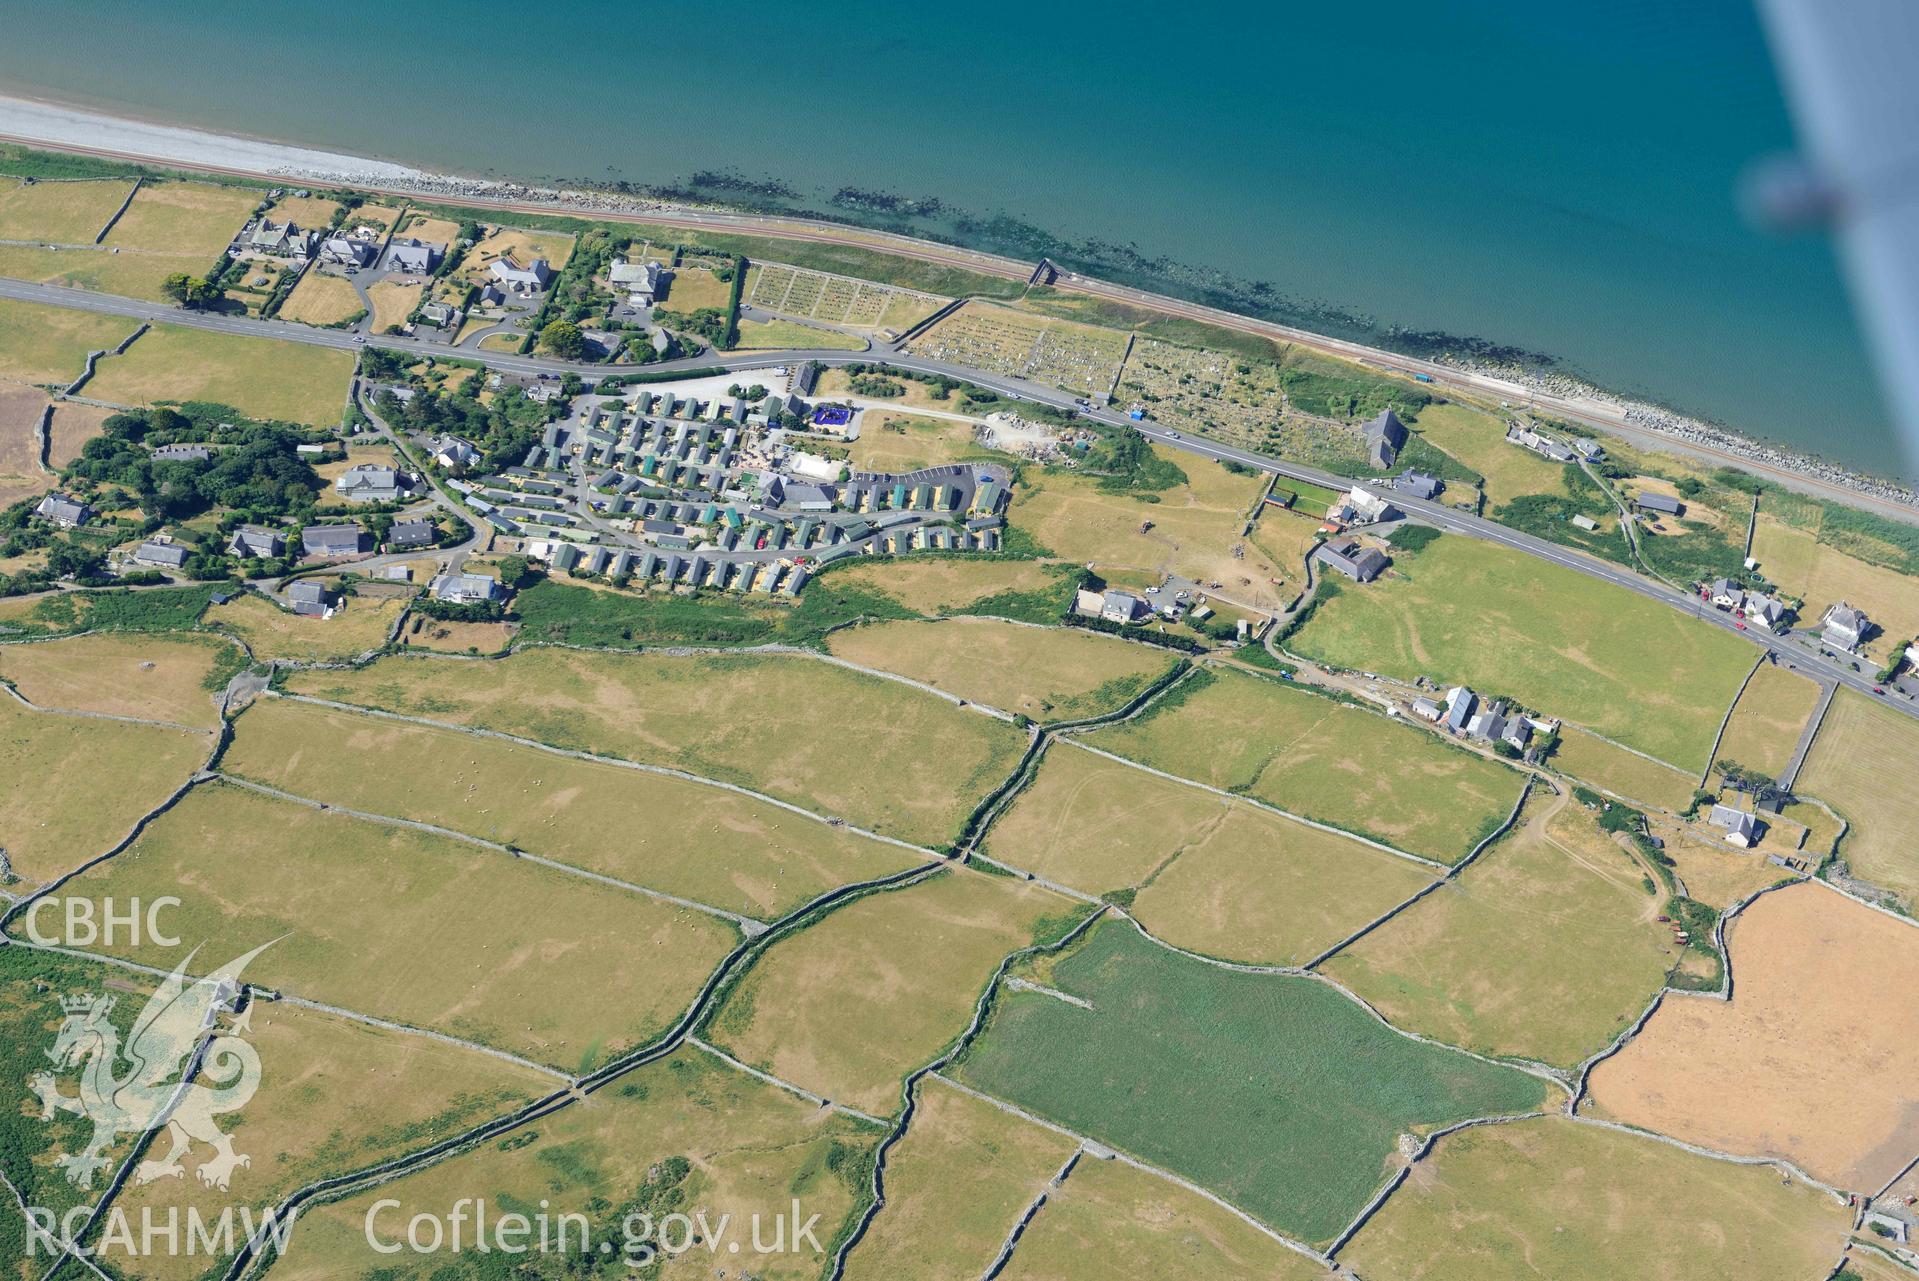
1610, 767
778, 335
1322, 759
1278, 1093
687, 1134
728, 718
851, 1005
703, 843
1545, 948
49, 345
420, 929
1209, 874
263, 377
1552, 1198
1511, 625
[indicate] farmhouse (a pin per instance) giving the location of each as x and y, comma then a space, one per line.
308, 598
1740, 827
1361, 564
256, 542
67, 513
1360, 506
416, 256
534, 275
345, 251
641, 280
332, 542
406, 534
1659, 503
1545, 446
1114, 605
163, 555
371, 483
465, 589
1418, 484
1385, 437
282, 240
182, 454
1845, 627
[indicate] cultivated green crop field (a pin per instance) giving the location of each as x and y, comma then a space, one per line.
751, 720
1278, 1093
1509, 624
1322, 759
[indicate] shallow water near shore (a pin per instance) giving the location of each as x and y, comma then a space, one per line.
1555, 181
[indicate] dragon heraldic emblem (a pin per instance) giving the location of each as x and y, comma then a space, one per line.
147, 1082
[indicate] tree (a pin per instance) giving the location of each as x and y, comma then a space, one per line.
563, 339
191, 292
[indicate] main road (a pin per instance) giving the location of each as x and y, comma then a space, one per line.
1783, 649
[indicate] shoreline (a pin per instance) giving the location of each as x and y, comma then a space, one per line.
59, 127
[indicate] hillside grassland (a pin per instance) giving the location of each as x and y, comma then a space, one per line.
1110, 1219
1852, 768
546, 964
955, 1185
1768, 719
1544, 949
1464, 610
334, 1096
1553, 1198
262, 377
49, 345
1321, 759
359, 625
1813, 1059
848, 1007
161, 678
1612, 768
1211, 875
195, 218
60, 815
712, 715
1278, 1093
686, 1134
703, 843
1049, 674
58, 213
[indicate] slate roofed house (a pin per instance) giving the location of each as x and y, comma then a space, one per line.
1427, 710
256, 542
67, 513
440, 315
455, 454
1385, 437
346, 251
405, 534
464, 589
165, 555
1660, 503
1845, 627
371, 483
416, 256
534, 275
1459, 708
1361, 564
182, 454
1118, 606
1742, 829
333, 542
308, 597
1726, 594
641, 280
1418, 484
1765, 610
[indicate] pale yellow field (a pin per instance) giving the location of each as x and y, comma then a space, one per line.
130, 275
66, 816
1614, 769
322, 299
851, 1005
949, 584
523, 245
694, 288
73, 425
1768, 719
309, 213
954, 1187
59, 213
21, 475
183, 218
49, 345
1854, 767
265, 377
1049, 674
392, 302
1821, 575
702, 843
271, 632
751, 1149
120, 673
546, 964
1215, 876
790, 335
435, 231
896, 442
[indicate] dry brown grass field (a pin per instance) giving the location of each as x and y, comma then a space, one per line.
130, 275
1612, 768
393, 302
259, 376
1812, 1061
186, 218
1767, 721
553, 966
702, 843
1848, 769
955, 1185
20, 473
436, 231
1554, 1198
694, 288
1212, 875
948, 584
311, 213
1047, 673
72, 426
848, 1007
49, 345
897, 442
359, 625
122, 674
64, 816
58, 213
322, 298
1821, 575
457, 638
1714, 873
521, 245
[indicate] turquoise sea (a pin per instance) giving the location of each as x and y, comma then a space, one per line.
1554, 178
